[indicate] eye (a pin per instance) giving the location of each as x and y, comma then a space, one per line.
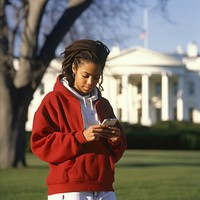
85, 75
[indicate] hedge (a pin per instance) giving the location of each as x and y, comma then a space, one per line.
163, 135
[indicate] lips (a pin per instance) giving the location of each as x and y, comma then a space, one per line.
88, 89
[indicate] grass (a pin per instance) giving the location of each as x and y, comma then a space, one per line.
158, 175
140, 175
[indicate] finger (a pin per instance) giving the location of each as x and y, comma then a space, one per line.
115, 131
113, 128
101, 130
112, 134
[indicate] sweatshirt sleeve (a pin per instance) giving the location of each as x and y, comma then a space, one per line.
51, 139
116, 149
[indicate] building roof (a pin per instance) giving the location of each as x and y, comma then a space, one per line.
140, 56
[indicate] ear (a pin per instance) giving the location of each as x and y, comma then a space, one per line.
73, 68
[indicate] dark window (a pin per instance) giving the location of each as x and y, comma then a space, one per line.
119, 86
175, 88
175, 114
191, 114
158, 114
139, 88
158, 89
191, 88
139, 115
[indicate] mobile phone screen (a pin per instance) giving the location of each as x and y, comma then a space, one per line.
109, 122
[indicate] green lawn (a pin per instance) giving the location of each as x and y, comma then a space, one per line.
140, 175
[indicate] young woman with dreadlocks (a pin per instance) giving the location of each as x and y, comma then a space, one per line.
67, 131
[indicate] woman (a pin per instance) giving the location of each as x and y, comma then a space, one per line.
67, 131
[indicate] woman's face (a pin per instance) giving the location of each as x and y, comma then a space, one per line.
87, 75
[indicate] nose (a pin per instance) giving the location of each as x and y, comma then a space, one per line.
90, 80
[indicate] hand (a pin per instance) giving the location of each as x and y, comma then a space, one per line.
112, 133
95, 132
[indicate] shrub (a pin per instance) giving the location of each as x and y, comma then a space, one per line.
163, 135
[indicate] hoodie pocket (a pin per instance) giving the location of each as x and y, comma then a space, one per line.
93, 167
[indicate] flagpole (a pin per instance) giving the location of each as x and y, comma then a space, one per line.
145, 24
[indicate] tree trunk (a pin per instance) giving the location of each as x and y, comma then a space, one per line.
6, 116
16, 91
13, 115
24, 97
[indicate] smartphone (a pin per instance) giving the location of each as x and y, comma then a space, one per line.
109, 122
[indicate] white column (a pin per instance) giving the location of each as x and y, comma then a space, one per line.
134, 116
106, 87
110, 91
125, 98
131, 112
113, 96
165, 97
180, 99
145, 100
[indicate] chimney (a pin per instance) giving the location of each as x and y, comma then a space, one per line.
115, 51
192, 49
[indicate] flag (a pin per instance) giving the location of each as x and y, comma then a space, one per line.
143, 35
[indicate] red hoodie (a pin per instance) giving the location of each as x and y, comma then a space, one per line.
57, 138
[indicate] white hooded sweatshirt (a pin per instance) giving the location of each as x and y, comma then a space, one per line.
89, 113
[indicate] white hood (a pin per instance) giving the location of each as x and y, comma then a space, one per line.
88, 111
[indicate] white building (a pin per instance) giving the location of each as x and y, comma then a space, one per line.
143, 86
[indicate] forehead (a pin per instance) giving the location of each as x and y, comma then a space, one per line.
89, 67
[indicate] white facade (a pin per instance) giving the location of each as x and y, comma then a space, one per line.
143, 86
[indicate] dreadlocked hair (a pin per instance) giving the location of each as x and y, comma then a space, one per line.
84, 50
